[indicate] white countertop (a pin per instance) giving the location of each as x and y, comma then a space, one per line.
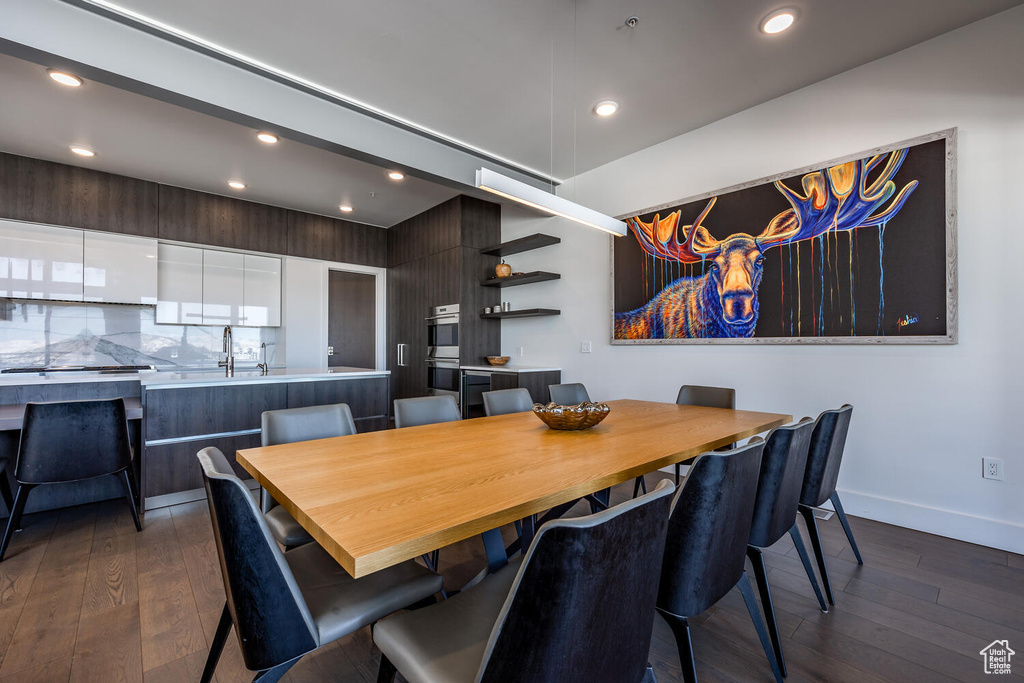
153, 379
507, 368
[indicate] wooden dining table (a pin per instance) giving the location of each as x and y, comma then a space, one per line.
374, 500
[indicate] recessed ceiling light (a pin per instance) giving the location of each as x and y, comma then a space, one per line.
606, 108
345, 207
268, 138
778, 21
395, 175
64, 79
237, 184
82, 151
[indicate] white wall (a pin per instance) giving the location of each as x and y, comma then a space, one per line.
924, 415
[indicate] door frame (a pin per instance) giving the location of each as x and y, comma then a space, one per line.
380, 306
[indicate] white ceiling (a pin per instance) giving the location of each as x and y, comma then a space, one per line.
145, 138
513, 78
482, 71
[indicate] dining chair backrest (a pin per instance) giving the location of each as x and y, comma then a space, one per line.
72, 440
782, 476
425, 410
825, 455
303, 424
708, 530
272, 621
582, 603
707, 397
568, 394
504, 401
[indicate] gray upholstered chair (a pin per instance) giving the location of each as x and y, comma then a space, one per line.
288, 426
778, 492
705, 397
705, 551
823, 460
568, 394
504, 401
579, 607
425, 410
284, 605
71, 441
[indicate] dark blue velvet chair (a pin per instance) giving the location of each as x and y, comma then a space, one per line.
578, 608
706, 548
285, 605
71, 441
823, 460
778, 493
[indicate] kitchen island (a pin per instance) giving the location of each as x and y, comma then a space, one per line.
186, 410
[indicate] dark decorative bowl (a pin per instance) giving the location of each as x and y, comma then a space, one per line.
583, 416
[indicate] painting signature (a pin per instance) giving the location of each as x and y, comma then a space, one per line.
907, 319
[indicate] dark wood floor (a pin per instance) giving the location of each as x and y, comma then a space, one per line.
85, 598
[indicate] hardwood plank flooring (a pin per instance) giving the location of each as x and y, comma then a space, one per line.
85, 598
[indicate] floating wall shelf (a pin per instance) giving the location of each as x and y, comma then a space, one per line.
524, 313
520, 279
522, 244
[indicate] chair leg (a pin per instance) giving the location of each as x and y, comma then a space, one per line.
841, 514
129, 493
15, 519
649, 676
761, 577
386, 672
679, 472
755, 616
5, 491
638, 486
794, 533
681, 630
217, 646
273, 675
819, 554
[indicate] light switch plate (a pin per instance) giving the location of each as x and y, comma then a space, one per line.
585, 347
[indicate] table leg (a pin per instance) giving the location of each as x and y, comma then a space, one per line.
495, 548
526, 536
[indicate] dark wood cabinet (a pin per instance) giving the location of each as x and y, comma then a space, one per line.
536, 383
434, 259
47, 192
201, 218
333, 239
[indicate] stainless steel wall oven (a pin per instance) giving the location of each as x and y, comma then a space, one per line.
443, 351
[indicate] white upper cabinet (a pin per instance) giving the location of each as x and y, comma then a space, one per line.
40, 261
223, 287
262, 292
120, 269
180, 285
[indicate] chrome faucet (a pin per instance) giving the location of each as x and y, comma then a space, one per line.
264, 368
226, 346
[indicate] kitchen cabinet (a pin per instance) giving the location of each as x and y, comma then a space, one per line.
179, 285
223, 287
261, 296
120, 269
40, 261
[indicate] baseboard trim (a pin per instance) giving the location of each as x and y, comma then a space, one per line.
985, 531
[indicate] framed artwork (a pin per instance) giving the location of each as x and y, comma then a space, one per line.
855, 250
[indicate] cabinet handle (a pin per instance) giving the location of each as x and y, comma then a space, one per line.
401, 355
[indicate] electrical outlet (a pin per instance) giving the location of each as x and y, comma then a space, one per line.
992, 468
585, 347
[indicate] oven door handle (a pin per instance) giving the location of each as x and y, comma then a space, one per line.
453, 363
453, 316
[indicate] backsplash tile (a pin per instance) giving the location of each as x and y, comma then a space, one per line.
52, 333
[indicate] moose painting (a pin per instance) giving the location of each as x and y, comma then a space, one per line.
855, 250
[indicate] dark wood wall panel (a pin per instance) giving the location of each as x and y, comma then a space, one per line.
480, 223
432, 231
59, 194
171, 468
480, 337
70, 391
366, 398
332, 239
172, 413
191, 216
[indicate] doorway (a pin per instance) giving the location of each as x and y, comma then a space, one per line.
351, 319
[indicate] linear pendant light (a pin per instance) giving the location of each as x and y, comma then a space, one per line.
517, 191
